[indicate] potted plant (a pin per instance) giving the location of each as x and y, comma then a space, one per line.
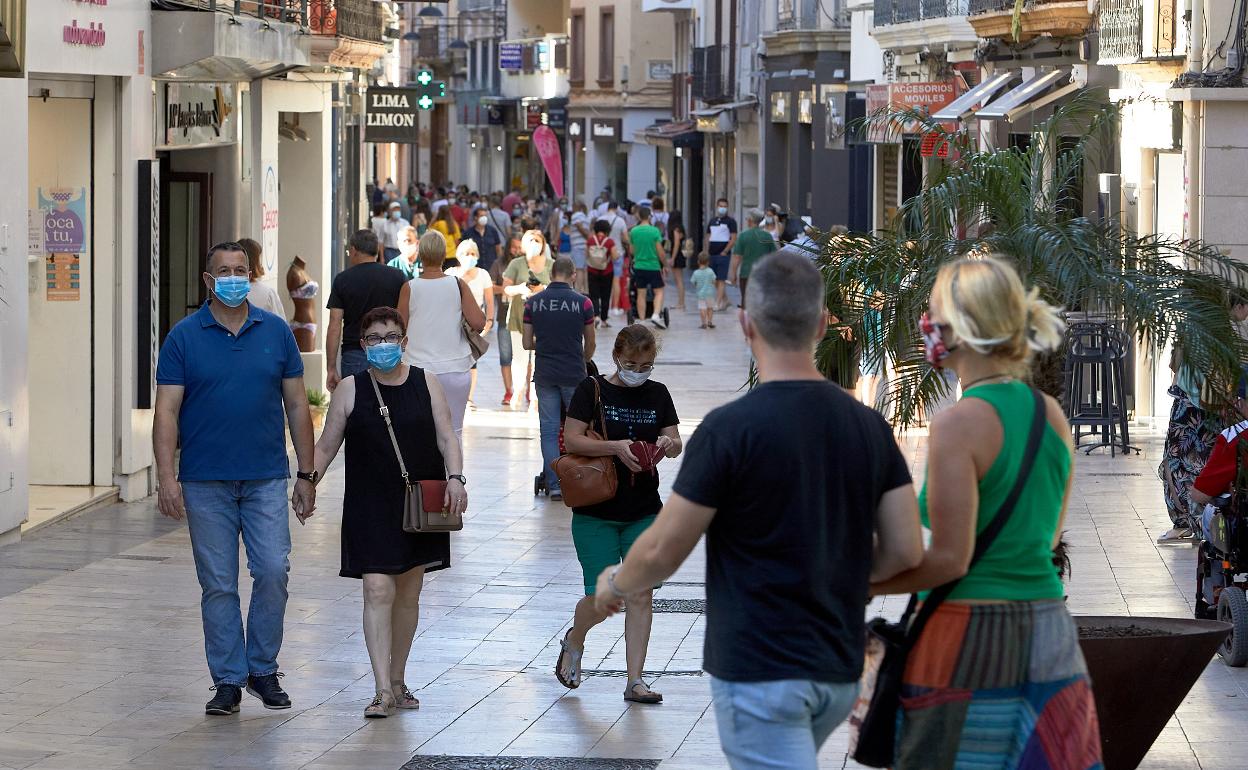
1024, 203
318, 402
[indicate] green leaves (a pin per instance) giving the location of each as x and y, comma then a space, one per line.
1024, 203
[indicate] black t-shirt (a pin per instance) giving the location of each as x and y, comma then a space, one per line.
636, 414
795, 471
359, 289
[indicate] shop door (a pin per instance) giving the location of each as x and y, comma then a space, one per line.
186, 216
61, 330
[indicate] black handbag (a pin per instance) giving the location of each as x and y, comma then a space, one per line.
877, 735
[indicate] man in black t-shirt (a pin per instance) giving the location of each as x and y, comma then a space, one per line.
559, 326
364, 285
721, 236
805, 500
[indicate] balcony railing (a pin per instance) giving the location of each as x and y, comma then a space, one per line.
903, 11
358, 19
990, 6
289, 11
709, 68
1140, 30
1052, 18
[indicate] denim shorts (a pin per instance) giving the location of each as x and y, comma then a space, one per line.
720, 264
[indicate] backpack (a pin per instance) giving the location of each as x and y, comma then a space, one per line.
596, 254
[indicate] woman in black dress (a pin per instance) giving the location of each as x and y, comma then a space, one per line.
391, 562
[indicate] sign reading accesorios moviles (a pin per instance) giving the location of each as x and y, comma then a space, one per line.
390, 114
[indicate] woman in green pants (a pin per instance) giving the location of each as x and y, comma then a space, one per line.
640, 419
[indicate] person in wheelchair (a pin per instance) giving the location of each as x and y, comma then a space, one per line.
1212, 487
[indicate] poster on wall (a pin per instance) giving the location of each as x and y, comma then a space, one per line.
35, 245
64, 211
832, 98
269, 217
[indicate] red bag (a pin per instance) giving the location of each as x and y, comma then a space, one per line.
647, 454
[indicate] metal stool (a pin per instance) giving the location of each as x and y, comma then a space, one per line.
1096, 352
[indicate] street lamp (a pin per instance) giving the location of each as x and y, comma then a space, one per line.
430, 12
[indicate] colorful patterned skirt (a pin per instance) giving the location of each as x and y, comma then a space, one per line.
998, 686
1189, 440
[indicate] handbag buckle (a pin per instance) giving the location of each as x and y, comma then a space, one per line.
385, 411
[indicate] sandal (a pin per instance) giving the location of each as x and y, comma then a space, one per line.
574, 681
649, 697
381, 707
403, 697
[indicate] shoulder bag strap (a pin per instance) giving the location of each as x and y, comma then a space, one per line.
986, 538
602, 416
385, 415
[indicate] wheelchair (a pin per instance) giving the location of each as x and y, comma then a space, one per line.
1221, 564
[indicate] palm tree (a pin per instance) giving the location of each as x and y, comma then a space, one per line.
1022, 203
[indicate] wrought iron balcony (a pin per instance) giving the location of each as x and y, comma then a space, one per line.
289, 11
1056, 18
904, 11
1140, 30
357, 19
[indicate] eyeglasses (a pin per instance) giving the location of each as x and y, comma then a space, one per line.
639, 368
376, 339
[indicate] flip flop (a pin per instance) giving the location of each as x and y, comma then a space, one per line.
575, 655
650, 698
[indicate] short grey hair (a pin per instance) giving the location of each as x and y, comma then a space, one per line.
564, 266
785, 300
365, 242
755, 216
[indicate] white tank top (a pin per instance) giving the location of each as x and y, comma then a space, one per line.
435, 335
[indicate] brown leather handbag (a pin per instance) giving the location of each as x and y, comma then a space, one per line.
422, 500
588, 480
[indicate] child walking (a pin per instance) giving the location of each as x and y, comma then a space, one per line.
704, 284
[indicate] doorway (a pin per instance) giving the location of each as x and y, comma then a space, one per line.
186, 219
61, 323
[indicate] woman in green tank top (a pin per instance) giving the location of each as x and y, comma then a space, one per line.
996, 678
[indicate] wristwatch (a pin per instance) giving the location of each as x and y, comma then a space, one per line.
312, 475
458, 477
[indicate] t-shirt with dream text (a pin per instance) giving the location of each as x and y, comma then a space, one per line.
635, 414
559, 315
795, 470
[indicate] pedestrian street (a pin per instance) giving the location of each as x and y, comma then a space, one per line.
101, 647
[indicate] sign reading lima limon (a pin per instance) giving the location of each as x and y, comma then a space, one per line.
390, 113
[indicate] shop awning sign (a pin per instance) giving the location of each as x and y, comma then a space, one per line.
925, 97
199, 114
390, 115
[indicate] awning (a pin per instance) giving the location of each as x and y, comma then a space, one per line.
714, 110
964, 105
1030, 96
218, 47
682, 133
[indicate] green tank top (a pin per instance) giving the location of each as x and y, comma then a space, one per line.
1019, 564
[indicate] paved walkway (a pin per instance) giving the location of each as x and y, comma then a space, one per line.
101, 652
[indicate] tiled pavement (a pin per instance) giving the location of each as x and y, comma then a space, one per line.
101, 653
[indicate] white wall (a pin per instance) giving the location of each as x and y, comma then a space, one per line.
866, 62
14, 395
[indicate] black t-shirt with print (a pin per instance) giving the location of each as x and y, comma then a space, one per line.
795, 471
636, 414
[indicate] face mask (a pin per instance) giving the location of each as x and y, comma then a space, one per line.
769, 221
630, 378
468, 262
482, 221
384, 356
532, 249
396, 214
934, 348
722, 211
232, 289
407, 249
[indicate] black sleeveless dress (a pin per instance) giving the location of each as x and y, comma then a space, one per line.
373, 539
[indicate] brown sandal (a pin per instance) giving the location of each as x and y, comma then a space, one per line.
649, 697
381, 707
403, 698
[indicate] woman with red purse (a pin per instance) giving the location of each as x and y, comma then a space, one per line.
635, 423
391, 562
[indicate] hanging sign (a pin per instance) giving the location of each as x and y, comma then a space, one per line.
510, 56
390, 115
199, 113
548, 150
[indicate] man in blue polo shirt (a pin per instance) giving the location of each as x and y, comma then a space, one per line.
228, 375
559, 326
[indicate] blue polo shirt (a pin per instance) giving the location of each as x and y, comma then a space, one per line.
233, 422
559, 315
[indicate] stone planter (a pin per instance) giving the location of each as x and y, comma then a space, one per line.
1141, 669
318, 416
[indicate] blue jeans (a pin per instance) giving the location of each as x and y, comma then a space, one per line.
552, 402
504, 334
352, 362
217, 512
778, 725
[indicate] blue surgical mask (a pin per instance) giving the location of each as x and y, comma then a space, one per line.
232, 289
468, 262
722, 211
384, 356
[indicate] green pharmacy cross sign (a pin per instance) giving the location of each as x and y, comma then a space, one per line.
429, 89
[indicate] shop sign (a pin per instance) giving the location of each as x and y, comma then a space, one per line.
557, 118
510, 56
605, 130
390, 115
659, 70
533, 117
87, 37
199, 113
924, 97
270, 216
576, 129
35, 245
805, 106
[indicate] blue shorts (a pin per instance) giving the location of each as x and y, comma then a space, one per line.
578, 258
648, 279
720, 264
618, 266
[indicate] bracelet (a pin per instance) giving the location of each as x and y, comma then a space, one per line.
611, 583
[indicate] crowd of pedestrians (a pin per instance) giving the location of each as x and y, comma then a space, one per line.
805, 500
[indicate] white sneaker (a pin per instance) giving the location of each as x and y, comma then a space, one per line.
658, 322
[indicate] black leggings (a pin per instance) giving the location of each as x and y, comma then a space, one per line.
600, 292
